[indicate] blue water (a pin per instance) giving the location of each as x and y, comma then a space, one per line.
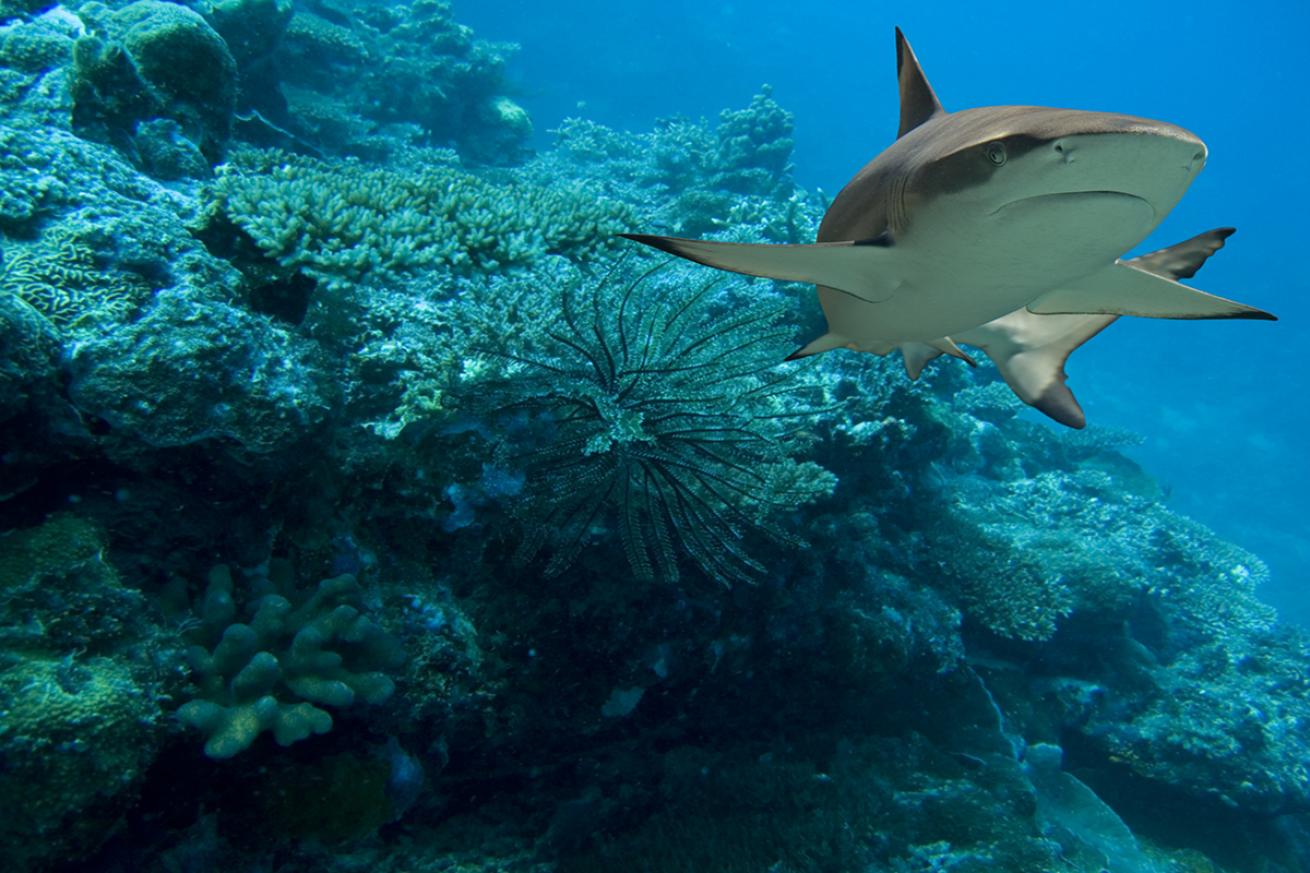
1221, 405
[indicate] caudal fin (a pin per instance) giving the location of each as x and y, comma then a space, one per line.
1030, 350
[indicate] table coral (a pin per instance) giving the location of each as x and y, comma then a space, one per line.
277, 671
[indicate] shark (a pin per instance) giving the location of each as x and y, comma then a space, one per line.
1001, 228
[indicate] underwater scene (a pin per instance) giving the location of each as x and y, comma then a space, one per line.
504, 437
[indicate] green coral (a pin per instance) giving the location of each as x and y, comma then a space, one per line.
59, 593
755, 146
277, 671
79, 712
733, 178
664, 411
76, 737
152, 59
341, 221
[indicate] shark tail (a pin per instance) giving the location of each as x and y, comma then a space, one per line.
1030, 348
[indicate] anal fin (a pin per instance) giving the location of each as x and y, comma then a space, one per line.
916, 355
1125, 289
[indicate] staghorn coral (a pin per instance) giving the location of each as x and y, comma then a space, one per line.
662, 411
341, 221
277, 671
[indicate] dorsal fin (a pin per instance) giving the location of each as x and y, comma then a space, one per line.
918, 102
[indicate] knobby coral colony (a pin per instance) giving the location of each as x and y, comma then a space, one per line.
666, 413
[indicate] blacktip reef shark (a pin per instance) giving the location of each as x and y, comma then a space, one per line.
999, 227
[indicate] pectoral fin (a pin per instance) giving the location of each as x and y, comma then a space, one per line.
1030, 350
1182, 260
858, 268
1127, 289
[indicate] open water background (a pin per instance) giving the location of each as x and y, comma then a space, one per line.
1223, 405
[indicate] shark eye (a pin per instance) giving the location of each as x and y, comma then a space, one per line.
995, 152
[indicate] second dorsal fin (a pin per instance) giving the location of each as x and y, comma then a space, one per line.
918, 102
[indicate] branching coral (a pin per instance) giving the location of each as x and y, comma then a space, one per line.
276, 672
341, 221
664, 411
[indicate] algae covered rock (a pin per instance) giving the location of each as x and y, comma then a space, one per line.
189, 372
281, 669
153, 59
59, 593
80, 719
29, 352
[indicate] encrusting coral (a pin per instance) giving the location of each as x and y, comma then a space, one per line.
278, 670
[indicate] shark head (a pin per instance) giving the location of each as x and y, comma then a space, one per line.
1051, 177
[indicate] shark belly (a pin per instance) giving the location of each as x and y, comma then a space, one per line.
957, 272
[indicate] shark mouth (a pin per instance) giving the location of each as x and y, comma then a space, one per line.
1092, 199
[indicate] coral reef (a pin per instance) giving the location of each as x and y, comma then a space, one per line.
276, 671
152, 59
733, 178
383, 67
282, 289
77, 738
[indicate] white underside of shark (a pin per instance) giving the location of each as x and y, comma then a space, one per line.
999, 228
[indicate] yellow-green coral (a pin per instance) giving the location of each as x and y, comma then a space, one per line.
60, 278
274, 672
343, 221
76, 736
